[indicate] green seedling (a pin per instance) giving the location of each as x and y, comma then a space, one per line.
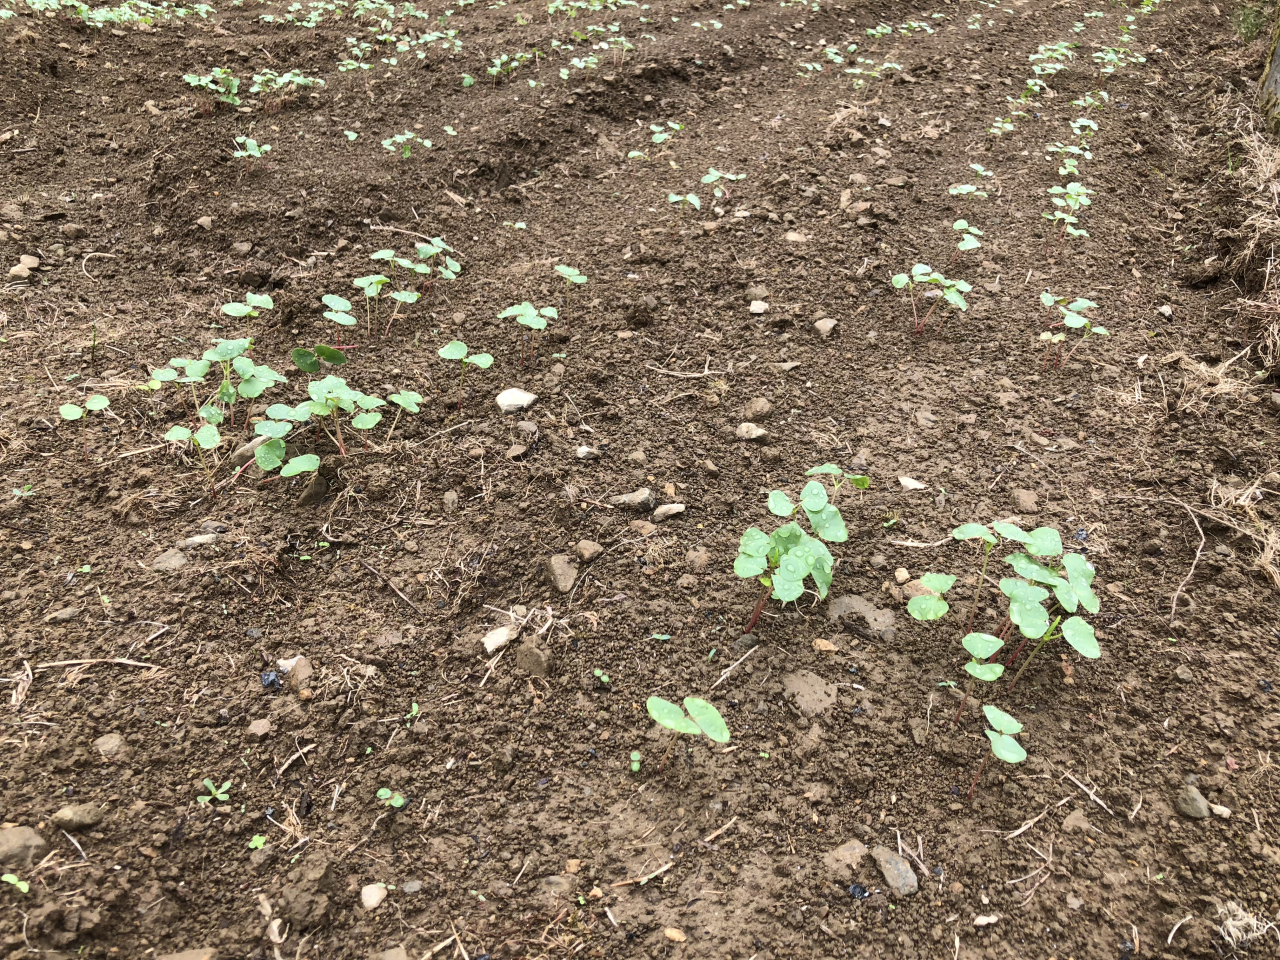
249, 149
950, 291
839, 477
1003, 745
635, 763
526, 314
1069, 200
253, 302
339, 310
571, 277
968, 238
1073, 316
258, 842
702, 719
783, 559
966, 190
411, 716
220, 82
601, 676
69, 412
715, 177
662, 134
931, 605
403, 144
457, 350
1001, 126
688, 199
401, 298
23, 887
391, 798
406, 401
221, 794
280, 85
980, 170
371, 286
26, 490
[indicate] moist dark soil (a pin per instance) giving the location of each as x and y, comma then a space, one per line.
524, 831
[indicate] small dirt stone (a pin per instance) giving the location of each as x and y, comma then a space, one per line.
111, 746
638, 457
757, 409
697, 558
667, 511
758, 307
169, 561
63, 615
642, 527
533, 660
749, 431
640, 498
901, 575
73, 231
841, 862
709, 468
514, 399
898, 874
1076, 822
260, 729
200, 953
205, 223
372, 895
757, 292
78, 816
878, 561
824, 327
562, 571
1190, 803
300, 674
1025, 501
21, 846
1184, 674
396, 953
496, 639
587, 550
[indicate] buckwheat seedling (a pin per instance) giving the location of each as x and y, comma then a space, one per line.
703, 719
457, 350
70, 412
526, 314
339, 310
221, 794
1003, 745
968, 238
571, 277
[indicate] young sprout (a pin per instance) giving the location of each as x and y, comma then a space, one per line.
249, 149
783, 559
400, 297
407, 401
601, 676
714, 176
966, 190
1002, 125
253, 302
635, 765
571, 277
690, 199
931, 606
457, 350
529, 316
69, 412
839, 477
950, 291
258, 842
980, 170
403, 142
22, 886
372, 286
1003, 746
221, 794
339, 310
702, 719
662, 134
968, 237
391, 798
220, 82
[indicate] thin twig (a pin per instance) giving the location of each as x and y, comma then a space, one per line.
1173, 607
1089, 793
458, 940
413, 606
662, 869
1176, 926
729, 669
307, 749
86, 260
116, 660
74, 844
712, 836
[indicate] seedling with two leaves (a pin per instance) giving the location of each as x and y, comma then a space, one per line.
702, 719
391, 798
571, 277
682, 201
782, 560
253, 303
457, 350
968, 238
527, 315
71, 412
222, 794
1074, 317
949, 291
330, 397
714, 178
248, 149
22, 886
220, 82
1003, 745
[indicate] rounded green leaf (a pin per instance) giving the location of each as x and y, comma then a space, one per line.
272, 428
927, 607
330, 355
97, 402
305, 360
1044, 542
981, 645
207, 436
668, 715
1079, 634
224, 351
70, 411
1018, 591
260, 300
237, 309
243, 366
270, 455
1001, 720
482, 360
786, 589
306, 463
382, 255
177, 434
408, 400
1024, 566
828, 524
987, 672
780, 504
1067, 597
747, 566
164, 375
938, 582
826, 468
335, 302
211, 414
1010, 532
814, 496
971, 531
708, 718
366, 421
754, 543
900, 280
453, 350
1006, 748
343, 319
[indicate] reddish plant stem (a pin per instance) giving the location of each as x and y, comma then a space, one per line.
976, 777
755, 614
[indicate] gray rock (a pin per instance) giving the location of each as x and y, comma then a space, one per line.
450, 501
111, 746
640, 498
898, 875
878, 561
709, 468
697, 558
169, 561
299, 673
638, 457
396, 953
1190, 803
1220, 811
259, 729
21, 846
509, 401
841, 862
205, 223
533, 660
749, 431
1185, 674
562, 571
242, 455
757, 409
411, 886
587, 550
1025, 501
642, 527
244, 248
758, 307
63, 615
78, 816
1165, 311
73, 231
667, 511
824, 326
199, 540
757, 291
1275, 399
588, 453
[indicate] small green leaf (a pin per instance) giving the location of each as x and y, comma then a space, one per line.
482, 360
927, 606
708, 718
747, 566
270, 455
211, 414
1006, 748
366, 421
304, 464
668, 715
828, 524
237, 309
938, 582
826, 468
1067, 597
408, 400
754, 543
1081, 573
97, 402
1079, 634
207, 437
971, 531
981, 645
69, 411
260, 300
987, 672
177, 434
1044, 542
164, 375
780, 504
305, 360
335, 302
813, 497
1011, 532
786, 589
1001, 720
1024, 566
331, 356
344, 319
223, 351
273, 429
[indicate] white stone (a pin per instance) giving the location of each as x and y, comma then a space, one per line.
495, 640
749, 431
759, 306
514, 399
372, 895
909, 484
667, 511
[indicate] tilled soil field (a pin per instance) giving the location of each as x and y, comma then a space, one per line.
394, 705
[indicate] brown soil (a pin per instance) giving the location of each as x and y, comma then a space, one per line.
522, 814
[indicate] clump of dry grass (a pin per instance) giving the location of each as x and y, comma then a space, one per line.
1254, 263
1239, 928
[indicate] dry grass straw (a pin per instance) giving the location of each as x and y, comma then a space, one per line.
1239, 928
1240, 503
1254, 264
